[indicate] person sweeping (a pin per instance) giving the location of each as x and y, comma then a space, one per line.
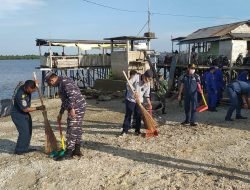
20, 115
141, 84
74, 103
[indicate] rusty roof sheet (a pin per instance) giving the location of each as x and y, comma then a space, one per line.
217, 32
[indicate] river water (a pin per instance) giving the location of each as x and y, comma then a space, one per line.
13, 71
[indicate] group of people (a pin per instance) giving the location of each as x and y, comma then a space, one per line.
72, 101
238, 92
137, 92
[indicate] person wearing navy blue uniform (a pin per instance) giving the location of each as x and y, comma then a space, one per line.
238, 92
243, 76
74, 103
211, 89
203, 81
191, 85
20, 115
219, 83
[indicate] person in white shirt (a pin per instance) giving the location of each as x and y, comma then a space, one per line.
141, 84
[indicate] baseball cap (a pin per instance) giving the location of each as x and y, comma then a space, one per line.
148, 73
191, 66
211, 68
47, 76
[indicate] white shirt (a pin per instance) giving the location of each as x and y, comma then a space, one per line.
143, 89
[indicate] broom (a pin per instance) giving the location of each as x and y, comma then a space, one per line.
149, 122
50, 142
203, 107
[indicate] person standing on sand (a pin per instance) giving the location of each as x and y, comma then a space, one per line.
74, 102
191, 85
141, 84
20, 115
238, 92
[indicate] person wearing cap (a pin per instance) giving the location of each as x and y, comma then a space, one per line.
141, 85
20, 115
191, 85
211, 89
220, 85
74, 103
162, 88
238, 92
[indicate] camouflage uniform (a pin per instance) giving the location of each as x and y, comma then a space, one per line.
72, 98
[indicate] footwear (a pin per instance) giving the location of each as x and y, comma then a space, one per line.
240, 117
68, 154
228, 119
185, 123
123, 134
193, 124
77, 151
137, 133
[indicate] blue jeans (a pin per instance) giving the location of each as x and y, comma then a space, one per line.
131, 108
235, 103
23, 124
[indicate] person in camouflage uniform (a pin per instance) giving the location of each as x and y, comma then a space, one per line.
74, 102
162, 88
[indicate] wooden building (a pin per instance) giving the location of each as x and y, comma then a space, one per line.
224, 40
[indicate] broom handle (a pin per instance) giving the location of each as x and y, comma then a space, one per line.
131, 87
203, 98
60, 127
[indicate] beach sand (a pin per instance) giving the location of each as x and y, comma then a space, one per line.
213, 155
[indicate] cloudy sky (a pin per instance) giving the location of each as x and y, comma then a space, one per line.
22, 21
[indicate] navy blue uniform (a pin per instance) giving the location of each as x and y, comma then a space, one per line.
219, 84
211, 90
72, 98
235, 90
22, 120
190, 96
243, 76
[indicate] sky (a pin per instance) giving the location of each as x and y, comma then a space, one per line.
23, 21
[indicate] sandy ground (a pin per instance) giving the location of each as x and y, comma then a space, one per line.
213, 155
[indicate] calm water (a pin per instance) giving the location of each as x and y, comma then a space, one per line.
13, 71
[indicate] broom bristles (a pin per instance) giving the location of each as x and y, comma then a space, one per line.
51, 142
148, 120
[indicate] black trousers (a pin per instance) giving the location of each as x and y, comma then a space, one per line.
131, 108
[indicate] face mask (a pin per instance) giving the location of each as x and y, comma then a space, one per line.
191, 71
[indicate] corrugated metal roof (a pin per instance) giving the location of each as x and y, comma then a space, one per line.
129, 38
217, 32
46, 42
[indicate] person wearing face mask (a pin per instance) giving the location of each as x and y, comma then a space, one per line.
190, 84
74, 102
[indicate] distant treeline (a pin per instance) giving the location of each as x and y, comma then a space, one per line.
8, 57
